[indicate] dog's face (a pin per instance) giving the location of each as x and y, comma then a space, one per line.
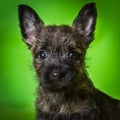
58, 57
58, 51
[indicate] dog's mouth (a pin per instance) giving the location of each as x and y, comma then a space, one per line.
57, 78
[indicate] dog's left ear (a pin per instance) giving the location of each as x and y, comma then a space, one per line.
85, 22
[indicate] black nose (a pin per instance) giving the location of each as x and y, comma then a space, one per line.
55, 74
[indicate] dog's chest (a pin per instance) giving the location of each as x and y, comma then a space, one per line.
60, 108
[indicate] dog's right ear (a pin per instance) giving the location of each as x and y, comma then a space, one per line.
30, 24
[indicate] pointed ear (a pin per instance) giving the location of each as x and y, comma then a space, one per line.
85, 22
30, 24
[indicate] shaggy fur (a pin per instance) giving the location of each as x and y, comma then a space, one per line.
65, 91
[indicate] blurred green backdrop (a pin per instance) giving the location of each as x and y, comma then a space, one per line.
17, 77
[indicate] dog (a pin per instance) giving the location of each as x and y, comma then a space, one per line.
65, 91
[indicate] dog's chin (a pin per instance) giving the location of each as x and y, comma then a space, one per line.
56, 88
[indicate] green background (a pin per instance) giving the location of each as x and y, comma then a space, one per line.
17, 78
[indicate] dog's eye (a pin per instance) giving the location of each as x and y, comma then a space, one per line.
73, 55
42, 54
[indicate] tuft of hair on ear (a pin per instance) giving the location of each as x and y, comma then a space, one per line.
85, 22
30, 24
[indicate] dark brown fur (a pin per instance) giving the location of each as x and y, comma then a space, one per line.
65, 91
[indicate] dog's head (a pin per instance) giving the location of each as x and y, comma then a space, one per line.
58, 51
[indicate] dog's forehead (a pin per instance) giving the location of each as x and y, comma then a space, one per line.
57, 35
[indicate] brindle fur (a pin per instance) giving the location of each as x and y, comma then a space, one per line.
65, 91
